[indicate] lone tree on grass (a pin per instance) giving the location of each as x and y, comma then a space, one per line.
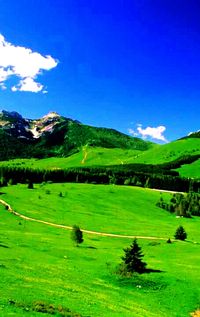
77, 235
180, 233
30, 184
132, 260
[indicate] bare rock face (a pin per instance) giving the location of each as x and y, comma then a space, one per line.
15, 125
45, 124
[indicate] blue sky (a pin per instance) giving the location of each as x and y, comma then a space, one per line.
129, 65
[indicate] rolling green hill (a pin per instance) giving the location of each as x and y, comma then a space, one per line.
56, 142
42, 272
170, 152
190, 170
87, 156
180, 150
54, 135
39, 263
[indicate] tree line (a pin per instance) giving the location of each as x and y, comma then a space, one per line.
98, 175
186, 205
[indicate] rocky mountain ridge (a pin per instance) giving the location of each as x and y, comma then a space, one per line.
15, 125
55, 135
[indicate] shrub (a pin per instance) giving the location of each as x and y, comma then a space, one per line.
77, 235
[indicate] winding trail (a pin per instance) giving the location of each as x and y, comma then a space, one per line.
10, 209
166, 191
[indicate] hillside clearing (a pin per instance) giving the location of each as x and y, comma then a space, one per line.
40, 262
10, 209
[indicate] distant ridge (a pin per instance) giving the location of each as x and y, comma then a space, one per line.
194, 134
55, 135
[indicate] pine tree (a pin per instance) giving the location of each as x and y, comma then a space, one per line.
30, 184
132, 258
77, 235
3, 181
180, 233
169, 241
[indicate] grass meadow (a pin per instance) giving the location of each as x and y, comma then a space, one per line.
91, 156
190, 170
39, 263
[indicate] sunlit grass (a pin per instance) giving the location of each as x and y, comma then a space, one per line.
40, 263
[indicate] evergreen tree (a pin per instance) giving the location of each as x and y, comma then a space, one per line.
147, 183
3, 181
112, 179
30, 185
77, 235
133, 258
180, 233
127, 181
11, 181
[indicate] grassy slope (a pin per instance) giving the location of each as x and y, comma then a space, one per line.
86, 157
89, 156
170, 152
192, 170
95, 208
66, 138
42, 264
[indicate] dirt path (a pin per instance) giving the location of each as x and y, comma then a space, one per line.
85, 154
9, 208
166, 191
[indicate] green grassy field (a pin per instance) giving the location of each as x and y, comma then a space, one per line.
40, 263
190, 170
170, 152
86, 157
90, 156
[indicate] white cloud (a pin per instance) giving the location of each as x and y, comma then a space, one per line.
155, 133
2, 86
4, 73
28, 84
25, 64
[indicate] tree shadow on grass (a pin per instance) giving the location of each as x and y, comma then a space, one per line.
89, 247
4, 246
141, 281
192, 242
153, 271
94, 239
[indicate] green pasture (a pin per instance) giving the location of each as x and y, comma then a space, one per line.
106, 208
87, 156
170, 151
190, 170
40, 263
91, 156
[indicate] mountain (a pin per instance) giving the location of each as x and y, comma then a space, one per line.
82, 145
55, 135
194, 134
16, 126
